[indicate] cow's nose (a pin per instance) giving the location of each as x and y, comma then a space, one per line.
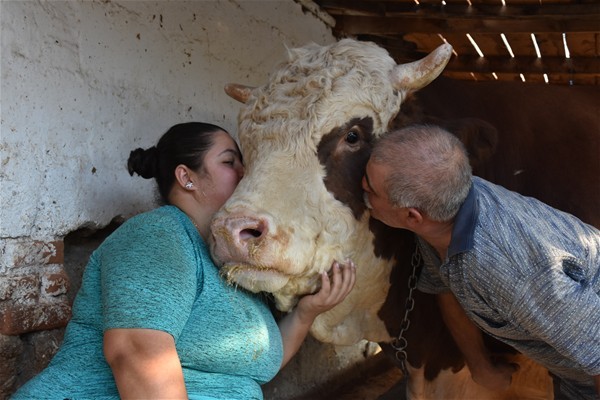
239, 233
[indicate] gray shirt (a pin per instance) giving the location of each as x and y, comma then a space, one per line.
527, 274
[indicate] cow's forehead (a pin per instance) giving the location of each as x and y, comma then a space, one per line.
317, 90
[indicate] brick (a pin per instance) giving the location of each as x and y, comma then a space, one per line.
8, 378
11, 348
24, 289
16, 319
24, 253
55, 284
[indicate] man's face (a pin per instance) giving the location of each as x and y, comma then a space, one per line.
376, 198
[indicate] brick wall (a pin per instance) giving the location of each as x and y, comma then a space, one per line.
34, 307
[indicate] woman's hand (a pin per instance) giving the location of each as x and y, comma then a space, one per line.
333, 291
295, 326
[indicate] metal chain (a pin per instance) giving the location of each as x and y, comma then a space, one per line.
400, 343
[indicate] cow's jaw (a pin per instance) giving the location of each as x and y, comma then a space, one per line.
255, 278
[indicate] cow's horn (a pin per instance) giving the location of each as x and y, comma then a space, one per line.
420, 73
239, 92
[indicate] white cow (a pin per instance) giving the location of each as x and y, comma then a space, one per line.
306, 136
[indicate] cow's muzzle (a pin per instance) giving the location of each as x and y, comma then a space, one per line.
238, 239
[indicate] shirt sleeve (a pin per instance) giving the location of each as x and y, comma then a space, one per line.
562, 309
148, 276
430, 280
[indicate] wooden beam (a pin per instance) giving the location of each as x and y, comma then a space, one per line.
396, 9
444, 24
524, 65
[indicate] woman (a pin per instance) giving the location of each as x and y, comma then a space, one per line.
153, 318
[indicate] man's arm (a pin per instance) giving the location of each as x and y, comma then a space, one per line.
597, 382
469, 340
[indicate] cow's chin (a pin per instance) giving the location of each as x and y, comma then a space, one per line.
254, 278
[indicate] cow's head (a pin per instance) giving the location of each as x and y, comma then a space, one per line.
306, 136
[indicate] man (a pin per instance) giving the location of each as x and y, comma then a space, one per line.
527, 274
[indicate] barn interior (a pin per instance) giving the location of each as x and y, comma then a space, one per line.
109, 70
531, 41
509, 50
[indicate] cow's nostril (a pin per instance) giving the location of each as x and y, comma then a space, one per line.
250, 233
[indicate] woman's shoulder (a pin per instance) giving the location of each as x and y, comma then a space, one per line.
162, 224
161, 218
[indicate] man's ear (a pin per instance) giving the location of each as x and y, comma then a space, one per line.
414, 218
183, 175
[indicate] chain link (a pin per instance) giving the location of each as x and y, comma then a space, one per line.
400, 343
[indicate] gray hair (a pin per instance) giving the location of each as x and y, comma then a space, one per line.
429, 167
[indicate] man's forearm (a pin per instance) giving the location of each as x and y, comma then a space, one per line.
466, 334
469, 339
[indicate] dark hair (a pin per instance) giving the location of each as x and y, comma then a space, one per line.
185, 144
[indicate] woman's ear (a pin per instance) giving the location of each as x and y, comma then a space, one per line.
183, 176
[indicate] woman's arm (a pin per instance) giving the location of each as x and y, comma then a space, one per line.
597, 382
145, 364
295, 326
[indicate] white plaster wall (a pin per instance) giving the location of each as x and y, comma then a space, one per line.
85, 82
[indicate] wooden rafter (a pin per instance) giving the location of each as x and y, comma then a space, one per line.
443, 24
409, 30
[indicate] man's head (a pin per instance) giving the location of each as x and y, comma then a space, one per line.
419, 169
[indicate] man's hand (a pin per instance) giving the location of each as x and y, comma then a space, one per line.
469, 339
494, 376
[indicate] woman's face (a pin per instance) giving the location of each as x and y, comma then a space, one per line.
223, 170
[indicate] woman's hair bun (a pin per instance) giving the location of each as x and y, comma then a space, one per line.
143, 162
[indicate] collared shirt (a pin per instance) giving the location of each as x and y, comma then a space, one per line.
528, 275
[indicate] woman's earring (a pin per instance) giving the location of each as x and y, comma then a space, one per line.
189, 185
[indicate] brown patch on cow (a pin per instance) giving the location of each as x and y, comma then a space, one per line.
344, 153
429, 341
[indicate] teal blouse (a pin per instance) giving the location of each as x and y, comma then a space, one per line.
155, 272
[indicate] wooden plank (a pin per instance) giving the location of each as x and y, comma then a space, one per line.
581, 65
583, 44
522, 64
351, 25
454, 9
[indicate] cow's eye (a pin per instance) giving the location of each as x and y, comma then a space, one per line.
352, 137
